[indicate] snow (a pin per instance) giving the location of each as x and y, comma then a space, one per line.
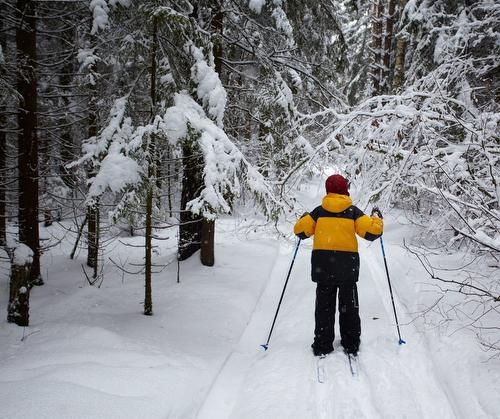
296, 79
256, 5
282, 22
208, 85
86, 58
117, 171
21, 254
110, 153
284, 97
99, 9
94, 146
90, 353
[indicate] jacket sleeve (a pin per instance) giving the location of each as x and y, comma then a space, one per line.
369, 228
305, 226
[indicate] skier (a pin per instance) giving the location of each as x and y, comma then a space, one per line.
335, 263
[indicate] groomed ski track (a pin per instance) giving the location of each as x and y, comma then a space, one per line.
393, 381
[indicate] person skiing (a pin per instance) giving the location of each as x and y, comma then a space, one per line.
335, 263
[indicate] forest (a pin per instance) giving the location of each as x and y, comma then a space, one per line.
147, 125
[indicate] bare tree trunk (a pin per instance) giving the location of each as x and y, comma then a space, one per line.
93, 226
207, 242
92, 250
148, 245
399, 56
148, 299
47, 217
18, 307
92, 215
66, 150
79, 235
376, 47
3, 180
3, 143
388, 36
27, 139
97, 233
169, 179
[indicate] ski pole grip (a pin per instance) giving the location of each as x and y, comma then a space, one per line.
376, 211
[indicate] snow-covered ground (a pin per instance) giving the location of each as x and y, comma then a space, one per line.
90, 353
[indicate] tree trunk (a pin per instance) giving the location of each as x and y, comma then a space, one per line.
92, 215
47, 217
67, 151
170, 172
3, 143
208, 226
27, 139
93, 235
3, 180
376, 47
207, 242
148, 299
18, 307
148, 245
190, 226
388, 36
399, 56
79, 235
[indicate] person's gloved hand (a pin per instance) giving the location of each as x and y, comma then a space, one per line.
376, 211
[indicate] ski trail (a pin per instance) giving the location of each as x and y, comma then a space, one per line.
403, 378
283, 382
223, 392
353, 397
393, 381
324, 397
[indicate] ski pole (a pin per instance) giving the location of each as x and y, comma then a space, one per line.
401, 341
266, 345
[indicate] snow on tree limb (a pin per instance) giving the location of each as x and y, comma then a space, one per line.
221, 157
109, 154
256, 5
100, 10
223, 161
208, 85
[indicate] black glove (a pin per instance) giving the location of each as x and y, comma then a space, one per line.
376, 211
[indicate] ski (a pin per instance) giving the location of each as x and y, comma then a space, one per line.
320, 369
353, 364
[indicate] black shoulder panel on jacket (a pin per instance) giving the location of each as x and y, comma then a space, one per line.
348, 213
357, 212
315, 213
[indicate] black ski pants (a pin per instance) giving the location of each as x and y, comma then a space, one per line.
350, 324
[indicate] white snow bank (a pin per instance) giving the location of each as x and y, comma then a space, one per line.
90, 353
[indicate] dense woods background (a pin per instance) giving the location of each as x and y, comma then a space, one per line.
125, 117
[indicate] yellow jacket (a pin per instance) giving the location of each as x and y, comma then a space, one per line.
334, 226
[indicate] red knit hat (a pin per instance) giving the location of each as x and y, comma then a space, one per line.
337, 184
